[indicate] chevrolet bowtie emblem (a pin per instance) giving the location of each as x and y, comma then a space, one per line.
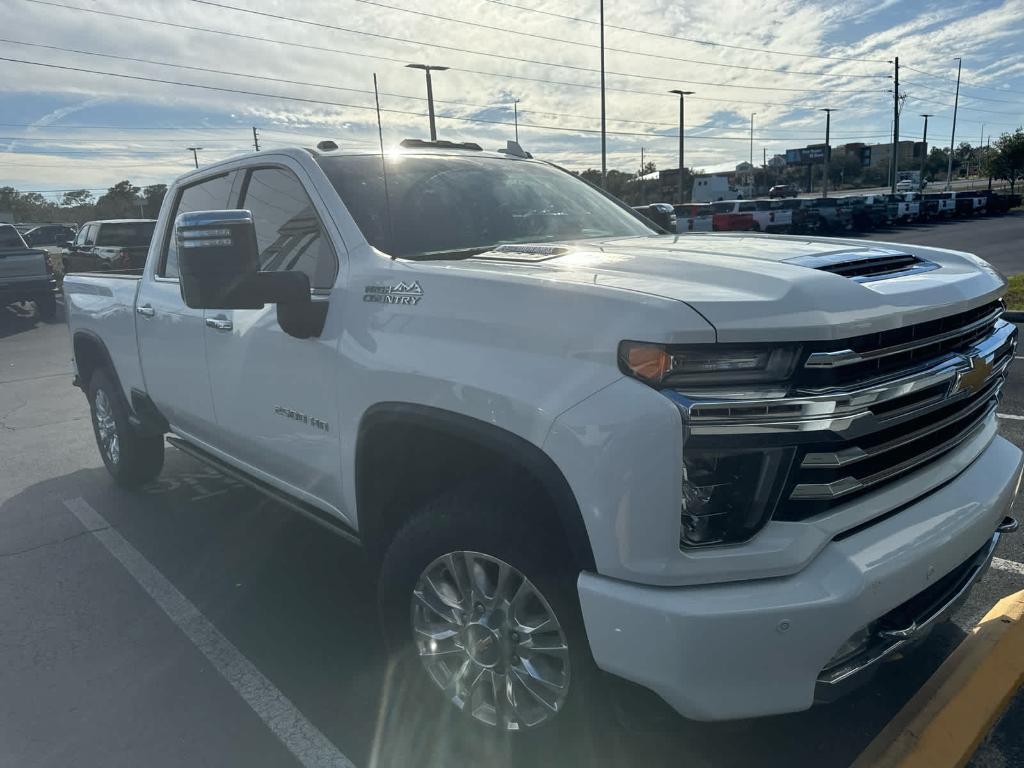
973, 378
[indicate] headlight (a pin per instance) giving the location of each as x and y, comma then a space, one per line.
706, 365
727, 496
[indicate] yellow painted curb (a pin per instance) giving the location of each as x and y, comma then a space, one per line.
945, 721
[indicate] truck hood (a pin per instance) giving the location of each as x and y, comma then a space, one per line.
749, 288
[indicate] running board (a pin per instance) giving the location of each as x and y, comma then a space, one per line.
315, 514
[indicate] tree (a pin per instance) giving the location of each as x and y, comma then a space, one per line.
1007, 162
154, 196
119, 202
76, 198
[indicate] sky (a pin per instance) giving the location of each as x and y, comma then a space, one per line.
174, 74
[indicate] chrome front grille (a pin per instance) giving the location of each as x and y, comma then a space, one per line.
853, 438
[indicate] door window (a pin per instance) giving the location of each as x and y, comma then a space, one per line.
87, 236
207, 195
289, 234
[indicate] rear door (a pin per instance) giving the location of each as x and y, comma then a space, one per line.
275, 395
172, 337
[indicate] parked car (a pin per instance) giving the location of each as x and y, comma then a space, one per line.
26, 274
783, 190
736, 471
832, 215
978, 202
906, 185
998, 203
694, 217
947, 205
769, 215
115, 244
50, 236
909, 206
865, 216
727, 217
661, 214
804, 221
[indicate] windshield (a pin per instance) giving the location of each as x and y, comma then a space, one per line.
126, 234
445, 205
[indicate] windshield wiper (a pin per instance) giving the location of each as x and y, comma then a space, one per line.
455, 253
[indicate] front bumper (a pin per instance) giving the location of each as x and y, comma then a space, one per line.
746, 649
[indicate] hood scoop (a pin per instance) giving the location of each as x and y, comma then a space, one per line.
867, 264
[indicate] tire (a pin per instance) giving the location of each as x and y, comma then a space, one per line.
489, 523
46, 306
132, 459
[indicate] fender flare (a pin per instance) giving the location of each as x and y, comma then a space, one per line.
494, 438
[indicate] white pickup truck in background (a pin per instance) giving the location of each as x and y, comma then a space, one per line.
737, 470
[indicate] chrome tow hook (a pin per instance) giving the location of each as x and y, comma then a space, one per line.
1009, 525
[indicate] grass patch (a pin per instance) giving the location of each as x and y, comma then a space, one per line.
1015, 293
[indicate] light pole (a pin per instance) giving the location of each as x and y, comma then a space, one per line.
924, 140
515, 113
952, 137
604, 133
682, 139
828, 148
195, 155
428, 68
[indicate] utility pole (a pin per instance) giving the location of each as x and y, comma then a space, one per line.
828, 148
428, 68
643, 181
751, 158
895, 123
256, 138
604, 137
682, 140
195, 154
924, 140
986, 160
515, 113
952, 137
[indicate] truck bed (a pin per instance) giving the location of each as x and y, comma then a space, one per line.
102, 305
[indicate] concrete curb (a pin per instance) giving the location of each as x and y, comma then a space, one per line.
943, 724
1014, 317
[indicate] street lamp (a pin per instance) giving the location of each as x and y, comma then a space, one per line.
952, 136
828, 149
428, 68
195, 154
682, 138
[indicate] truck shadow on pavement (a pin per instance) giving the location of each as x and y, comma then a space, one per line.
299, 604
21, 317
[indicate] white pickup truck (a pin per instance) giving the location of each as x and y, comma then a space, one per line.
735, 469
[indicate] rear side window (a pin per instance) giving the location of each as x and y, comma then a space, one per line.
9, 238
745, 207
721, 207
87, 236
288, 231
126, 234
207, 195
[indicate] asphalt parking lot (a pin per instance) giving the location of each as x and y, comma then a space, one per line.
197, 623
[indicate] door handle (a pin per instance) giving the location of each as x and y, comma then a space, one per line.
145, 310
219, 323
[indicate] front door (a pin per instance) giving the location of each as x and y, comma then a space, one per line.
172, 337
275, 395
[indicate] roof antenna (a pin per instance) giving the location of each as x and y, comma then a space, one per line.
384, 169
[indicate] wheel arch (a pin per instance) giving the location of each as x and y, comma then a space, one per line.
407, 454
91, 354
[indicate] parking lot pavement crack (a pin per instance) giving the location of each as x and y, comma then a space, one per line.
54, 543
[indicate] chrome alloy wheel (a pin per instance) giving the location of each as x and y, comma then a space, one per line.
490, 641
106, 427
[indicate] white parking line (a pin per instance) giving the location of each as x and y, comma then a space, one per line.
303, 739
1012, 416
1007, 565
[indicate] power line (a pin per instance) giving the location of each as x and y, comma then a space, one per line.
309, 84
683, 39
968, 96
952, 79
490, 54
509, 30
970, 109
500, 75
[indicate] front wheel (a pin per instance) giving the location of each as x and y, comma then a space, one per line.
131, 458
474, 599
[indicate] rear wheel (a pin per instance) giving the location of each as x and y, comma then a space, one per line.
475, 599
131, 458
46, 306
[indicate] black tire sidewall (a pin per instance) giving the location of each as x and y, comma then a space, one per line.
140, 456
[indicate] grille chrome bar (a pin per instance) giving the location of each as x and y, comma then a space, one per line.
844, 357
847, 485
854, 454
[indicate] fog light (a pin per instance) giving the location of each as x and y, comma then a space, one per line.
856, 643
